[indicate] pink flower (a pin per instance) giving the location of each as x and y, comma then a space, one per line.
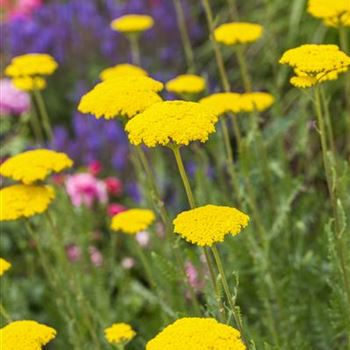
23, 8
12, 100
95, 167
73, 252
115, 208
143, 238
83, 188
193, 276
95, 256
114, 186
128, 263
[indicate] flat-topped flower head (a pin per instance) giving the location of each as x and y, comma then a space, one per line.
237, 33
132, 23
35, 165
223, 102
197, 334
132, 221
4, 266
119, 333
24, 201
335, 13
28, 83
256, 101
186, 84
32, 64
121, 97
314, 64
172, 122
122, 70
26, 335
208, 225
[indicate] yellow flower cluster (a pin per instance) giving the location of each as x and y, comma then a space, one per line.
18, 201
31, 166
119, 333
186, 84
314, 64
4, 266
122, 96
132, 221
25, 335
335, 13
31, 64
197, 334
237, 33
122, 70
170, 122
209, 224
225, 102
28, 83
132, 23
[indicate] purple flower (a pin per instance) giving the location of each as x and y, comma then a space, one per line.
12, 100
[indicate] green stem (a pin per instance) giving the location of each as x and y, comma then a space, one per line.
228, 293
5, 314
85, 307
333, 193
35, 124
185, 38
183, 174
43, 113
135, 49
233, 10
214, 282
328, 122
247, 82
218, 55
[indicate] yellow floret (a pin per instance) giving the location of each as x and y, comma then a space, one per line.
169, 122
256, 101
132, 23
29, 83
237, 33
186, 84
4, 266
335, 13
20, 201
197, 334
32, 64
31, 166
25, 335
121, 97
122, 70
132, 221
210, 224
119, 333
223, 102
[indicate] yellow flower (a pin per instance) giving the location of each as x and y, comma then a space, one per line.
122, 70
237, 33
119, 333
317, 62
223, 102
132, 221
335, 13
32, 64
132, 23
123, 96
197, 334
169, 122
4, 266
19, 201
31, 166
28, 83
186, 84
210, 224
25, 335
256, 101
